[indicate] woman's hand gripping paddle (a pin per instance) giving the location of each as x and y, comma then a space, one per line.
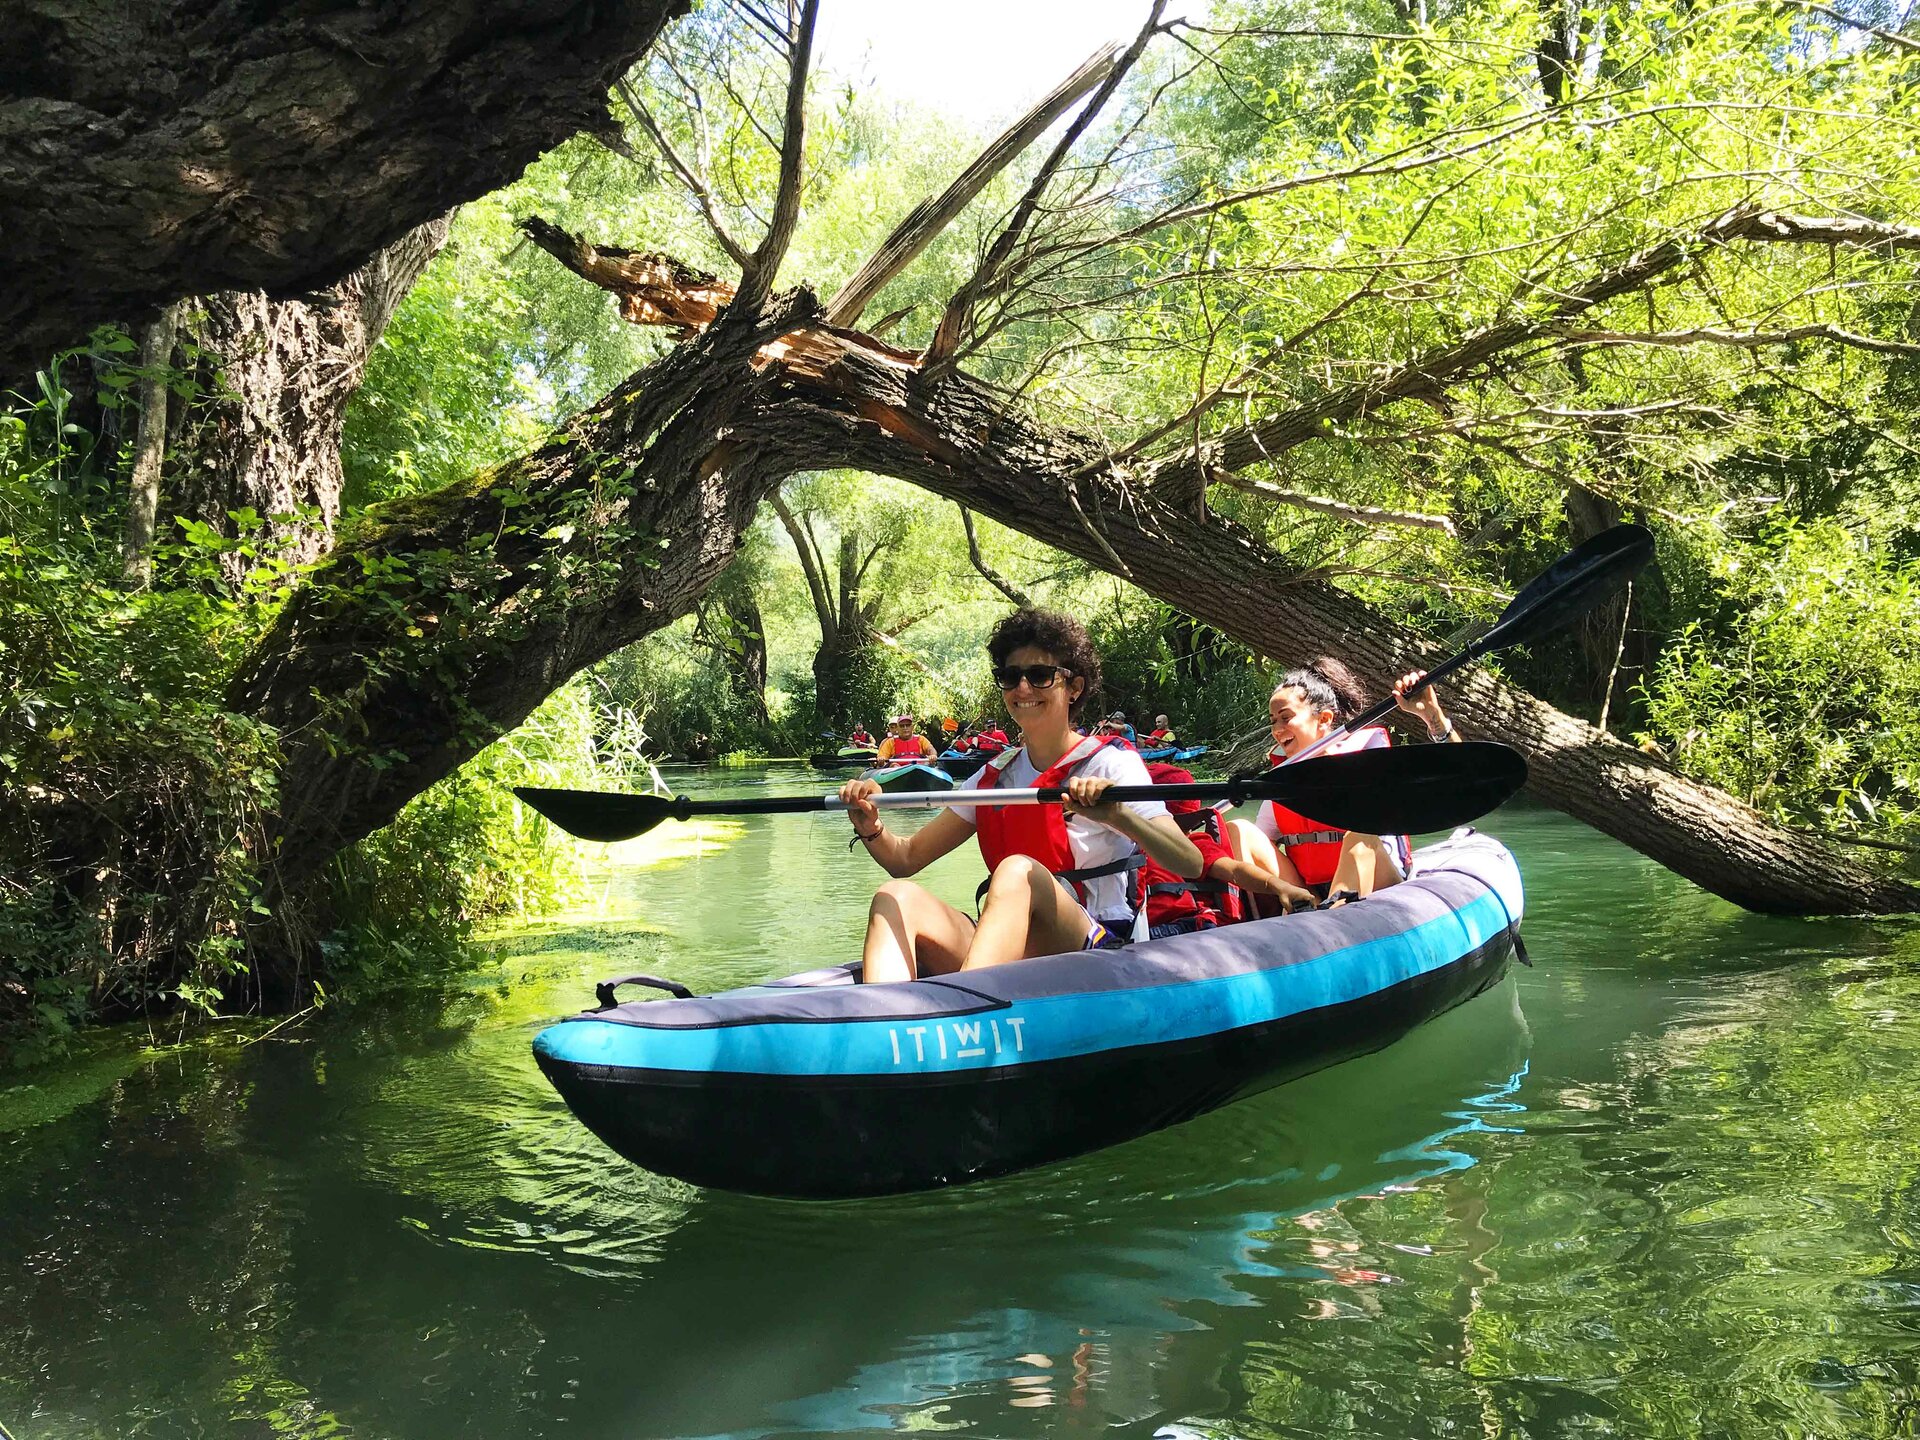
1403, 791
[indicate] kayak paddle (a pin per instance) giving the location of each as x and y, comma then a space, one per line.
1397, 791
1563, 591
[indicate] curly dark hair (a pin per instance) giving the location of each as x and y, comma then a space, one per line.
1061, 636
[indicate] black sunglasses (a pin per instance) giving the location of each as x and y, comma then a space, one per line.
1038, 677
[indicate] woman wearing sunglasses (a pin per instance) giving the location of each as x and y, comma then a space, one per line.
1061, 877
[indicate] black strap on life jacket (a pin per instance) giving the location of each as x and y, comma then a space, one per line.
1126, 864
1312, 837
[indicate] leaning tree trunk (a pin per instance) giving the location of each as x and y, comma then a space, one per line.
277, 376
449, 617
154, 149
852, 403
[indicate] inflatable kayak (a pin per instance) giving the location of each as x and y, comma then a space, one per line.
816, 1086
914, 776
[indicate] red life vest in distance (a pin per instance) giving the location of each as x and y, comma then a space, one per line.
1040, 831
908, 748
990, 742
1174, 897
1314, 848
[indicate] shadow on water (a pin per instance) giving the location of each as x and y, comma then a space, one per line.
415, 1241
391, 1226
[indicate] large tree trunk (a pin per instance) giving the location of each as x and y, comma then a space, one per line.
277, 375
217, 145
579, 571
448, 617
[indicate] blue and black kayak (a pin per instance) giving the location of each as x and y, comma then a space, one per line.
1175, 754
962, 763
916, 776
818, 1087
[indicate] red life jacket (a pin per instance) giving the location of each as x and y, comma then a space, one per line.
1314, 848
909, 748
991, 742
1174, 897
860, 737
1040, 831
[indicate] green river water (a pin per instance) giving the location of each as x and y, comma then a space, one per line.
1664, 1184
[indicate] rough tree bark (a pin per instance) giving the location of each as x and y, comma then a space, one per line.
277, 375
212, 146
446, 619
957, 439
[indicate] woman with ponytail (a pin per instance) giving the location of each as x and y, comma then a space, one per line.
1315, 862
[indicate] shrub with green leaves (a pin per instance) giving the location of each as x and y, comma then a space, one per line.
1802, 694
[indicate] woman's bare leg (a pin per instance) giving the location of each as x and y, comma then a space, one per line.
1028, 912
1364, 866
911, 932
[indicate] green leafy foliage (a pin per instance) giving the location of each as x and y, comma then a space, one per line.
1801, 695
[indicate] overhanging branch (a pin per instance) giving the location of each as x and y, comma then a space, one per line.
756, 281
1428, 374
1339, 510
927, 219
993, 577
1742, 339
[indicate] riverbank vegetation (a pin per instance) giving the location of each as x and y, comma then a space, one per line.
1404, 301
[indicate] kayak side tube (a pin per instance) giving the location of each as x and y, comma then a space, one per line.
823, 1089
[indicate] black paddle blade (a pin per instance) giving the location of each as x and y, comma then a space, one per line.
595, 816
1402, 790
1571, 586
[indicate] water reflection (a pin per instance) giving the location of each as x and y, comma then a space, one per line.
1677, 1195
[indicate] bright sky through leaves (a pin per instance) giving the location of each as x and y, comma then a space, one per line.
981, 62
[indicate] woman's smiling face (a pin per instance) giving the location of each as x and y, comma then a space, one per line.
1051, 706
1296, 724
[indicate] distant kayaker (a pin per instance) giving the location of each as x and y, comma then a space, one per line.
860, 736
903, 744
1310, 858
1061, 877
1162, 733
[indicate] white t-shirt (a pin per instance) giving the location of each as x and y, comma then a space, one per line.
1092, 843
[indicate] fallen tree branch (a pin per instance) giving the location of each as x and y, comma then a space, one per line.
1741, 339
993, 577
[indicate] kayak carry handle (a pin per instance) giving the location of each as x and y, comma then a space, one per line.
603, 992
